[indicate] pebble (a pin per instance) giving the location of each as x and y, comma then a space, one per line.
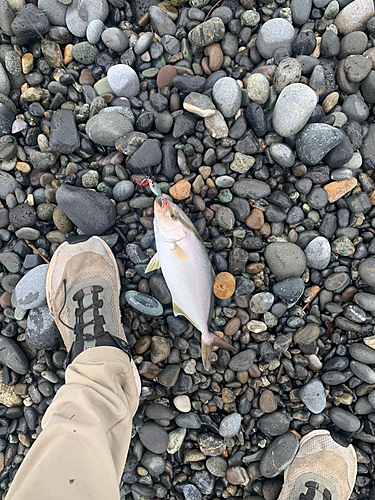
274, 34
354, 16
153, 437
81, 12
344, 419
279, 455
286, 260
315, 141
144, 303
41, 331
106, 128
90, 211
230, 425
123, 80
30, 290
318, 253
293, 108
312, 395
227, 96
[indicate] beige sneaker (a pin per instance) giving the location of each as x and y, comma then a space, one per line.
83, 288
321, 470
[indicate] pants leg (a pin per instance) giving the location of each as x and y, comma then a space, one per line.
81, 452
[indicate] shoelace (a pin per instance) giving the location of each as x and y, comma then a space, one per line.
312, 488
97, 320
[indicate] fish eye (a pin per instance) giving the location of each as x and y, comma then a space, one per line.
174, 216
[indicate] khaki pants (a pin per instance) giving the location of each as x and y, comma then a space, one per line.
82, 449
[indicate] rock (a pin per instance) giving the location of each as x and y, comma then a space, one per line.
8, 395
312, 395
224, 285
147, 156
6, 18
258, 88
22, 216
10, 261
366, 270
155, 464
210, 445
338, 189
181, 190
29, 23
367, 302
289, 290
217, 126
217, 466
30, 290
64, 138
318, 253
354, 16
189, 421
286, 260
344, 419
12, 356
315, 141
161, 23
251, 188
209, 32
261, 302
153, 437
274, 34
123, 80
175, 440
227, 96
199, 105
279, 455
242, 361
293, 108
165, 76
144, 303
106, 128
115, 39
363, 372
94, 31
274, 424
123, 190
84, 52
307, 334
90, 211
268, 402
80, 13
41, 331
6, 114
230, 425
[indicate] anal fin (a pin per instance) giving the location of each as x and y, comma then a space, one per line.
179, 312
153, 264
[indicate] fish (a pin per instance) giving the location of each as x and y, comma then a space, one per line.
182, 257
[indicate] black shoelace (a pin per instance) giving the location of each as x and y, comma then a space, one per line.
100, 337
312, 488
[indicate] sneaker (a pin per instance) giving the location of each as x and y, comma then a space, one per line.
321, 470
83, 288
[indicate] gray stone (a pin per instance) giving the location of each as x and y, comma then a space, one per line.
227, 96
123, 190
115, 39
155, 464
355, 108
29, 23
8, 183
84, 52
90, 211
344, 419
30, 291
354, 16
10, 261
162, 24
293, 108
6, 119
367, 302
274, 424
4, 89
315, 141
153, 437
289, 290
64, 138
282, 154
191, 492
12, 356
123, 80
189, 420
362, 352
54, 10
147, 156
122, 110
242, 361
318, 253
261, 302
94, 31
300, 10
286, 260
363, 372
230, 425
279, 455
106, 128
41, 331
274, 34
81, 12
6, 17
251, 188
144, 303
312, 395
143, 43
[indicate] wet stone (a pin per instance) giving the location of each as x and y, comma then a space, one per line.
344, 419
274, 424
312, 395
154, 437
286, 260
41, 331
289, 290
242, 361
279, 455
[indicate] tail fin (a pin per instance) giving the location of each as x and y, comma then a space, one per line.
209, 340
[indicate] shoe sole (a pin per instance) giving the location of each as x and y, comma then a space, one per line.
303, 441
55, 259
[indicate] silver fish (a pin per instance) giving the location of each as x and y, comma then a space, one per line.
187, 270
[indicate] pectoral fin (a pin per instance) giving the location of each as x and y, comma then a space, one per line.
153, 264
180, 254
179, 312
